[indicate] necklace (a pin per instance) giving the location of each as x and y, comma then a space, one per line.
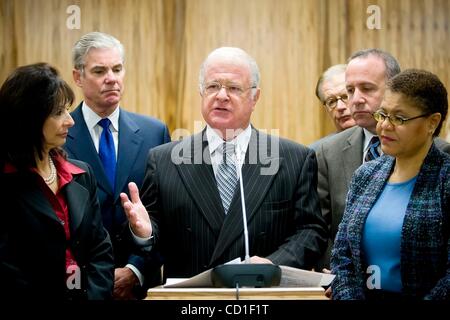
52, 177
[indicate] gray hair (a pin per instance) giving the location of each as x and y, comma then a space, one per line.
327, 75
392, 65
235, 55
94, 40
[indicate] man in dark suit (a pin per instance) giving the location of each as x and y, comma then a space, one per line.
196, 216
99, 71
340, 155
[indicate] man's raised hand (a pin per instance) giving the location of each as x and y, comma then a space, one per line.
136, 213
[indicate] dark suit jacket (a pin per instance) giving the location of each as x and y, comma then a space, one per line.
33, 243
191, 229
425, 242
137, 135
338, 157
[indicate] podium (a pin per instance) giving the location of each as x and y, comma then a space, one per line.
272, 293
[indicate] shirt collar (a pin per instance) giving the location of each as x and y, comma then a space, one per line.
92, 118
64, 169
240, 141
367, 137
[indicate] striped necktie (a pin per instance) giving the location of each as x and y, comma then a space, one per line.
372, 152
226, 175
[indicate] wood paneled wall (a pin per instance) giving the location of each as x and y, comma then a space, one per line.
293, 41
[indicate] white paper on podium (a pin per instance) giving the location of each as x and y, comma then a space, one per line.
202, 280
293, 277
290, 277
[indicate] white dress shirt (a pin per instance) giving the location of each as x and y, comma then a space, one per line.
240, 141
95, 130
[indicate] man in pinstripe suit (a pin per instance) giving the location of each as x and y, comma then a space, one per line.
191, 227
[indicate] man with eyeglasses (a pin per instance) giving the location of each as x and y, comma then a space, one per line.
340, 155
331, 91
191, 188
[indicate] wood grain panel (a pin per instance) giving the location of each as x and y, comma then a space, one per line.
293, 41
8, 54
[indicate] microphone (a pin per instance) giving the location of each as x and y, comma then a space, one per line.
244, 210
245, 274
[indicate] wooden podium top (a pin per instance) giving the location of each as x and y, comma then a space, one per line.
274, 293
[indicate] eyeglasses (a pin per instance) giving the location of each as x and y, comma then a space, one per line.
380, 116
331, 102
213, 88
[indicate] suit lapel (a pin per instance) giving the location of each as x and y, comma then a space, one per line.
77, 199
352, 153
129, 146
256, 186
79, 143
34, 198
197, 174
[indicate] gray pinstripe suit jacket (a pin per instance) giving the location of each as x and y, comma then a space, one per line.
191, 229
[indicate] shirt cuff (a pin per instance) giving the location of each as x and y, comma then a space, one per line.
137, 273
142, 242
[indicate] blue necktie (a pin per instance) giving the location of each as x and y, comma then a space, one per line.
372, 153
107, 152
226, 175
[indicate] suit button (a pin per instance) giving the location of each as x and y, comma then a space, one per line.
189, 229
205, 266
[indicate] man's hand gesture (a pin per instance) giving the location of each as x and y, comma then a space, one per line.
136, 213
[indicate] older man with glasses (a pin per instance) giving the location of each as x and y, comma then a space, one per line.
191, 187
331, 91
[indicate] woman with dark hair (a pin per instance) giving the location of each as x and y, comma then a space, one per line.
393, 241
52, 241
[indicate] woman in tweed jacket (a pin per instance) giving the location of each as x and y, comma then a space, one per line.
393, 241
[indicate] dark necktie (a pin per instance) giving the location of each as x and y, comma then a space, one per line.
372, 152
107, 152
226, 175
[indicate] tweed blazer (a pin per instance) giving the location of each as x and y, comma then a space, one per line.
425, 246
338, 157
191, 228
